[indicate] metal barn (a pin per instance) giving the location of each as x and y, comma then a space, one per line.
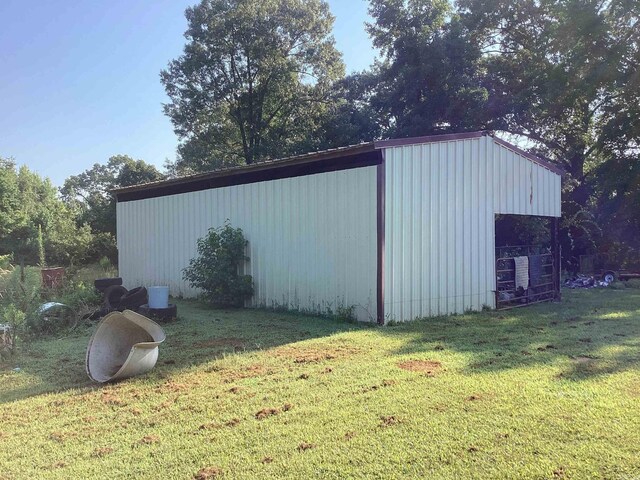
396, 229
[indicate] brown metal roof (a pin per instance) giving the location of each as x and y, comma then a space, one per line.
349, 153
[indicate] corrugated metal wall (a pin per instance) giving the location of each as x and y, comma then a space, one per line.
440, 206
312, 239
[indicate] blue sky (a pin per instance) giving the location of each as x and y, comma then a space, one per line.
79, 79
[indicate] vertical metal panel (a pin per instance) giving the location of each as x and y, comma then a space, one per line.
312, 239
441, 201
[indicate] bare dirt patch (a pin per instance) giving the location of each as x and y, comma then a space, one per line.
429, 367
232, 423
559, 473
175, 387
149, 439
250, 371
389, 421
305, 446
349, 435
314, 354
208, 473
267, 412
111, 399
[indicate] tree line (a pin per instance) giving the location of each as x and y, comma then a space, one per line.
75, 224
263, 79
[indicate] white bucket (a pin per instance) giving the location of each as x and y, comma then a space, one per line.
158, 297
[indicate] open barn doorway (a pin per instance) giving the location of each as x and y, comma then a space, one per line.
527, 260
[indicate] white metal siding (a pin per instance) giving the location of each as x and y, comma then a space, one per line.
312, 239
440, 206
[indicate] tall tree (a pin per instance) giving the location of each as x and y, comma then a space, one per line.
90, 191
428, 79
564, 75
30, 204
253, 81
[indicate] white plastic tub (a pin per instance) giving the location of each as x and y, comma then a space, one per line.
124, 345
158, 297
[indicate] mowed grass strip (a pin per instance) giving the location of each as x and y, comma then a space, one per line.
550, 391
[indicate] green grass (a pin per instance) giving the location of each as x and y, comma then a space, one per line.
550, 391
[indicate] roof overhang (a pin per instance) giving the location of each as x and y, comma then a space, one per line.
353, 156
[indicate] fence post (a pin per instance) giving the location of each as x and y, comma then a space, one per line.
555, 250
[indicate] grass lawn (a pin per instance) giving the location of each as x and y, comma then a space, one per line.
550, 391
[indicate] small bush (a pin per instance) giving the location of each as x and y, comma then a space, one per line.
618, 285
633, 283
216, 269
5, 261
102, 245
346, 314
19, 298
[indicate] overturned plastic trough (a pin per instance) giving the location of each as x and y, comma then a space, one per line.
124, 345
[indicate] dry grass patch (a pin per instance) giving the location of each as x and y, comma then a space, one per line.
314, 354
149, 439
208, 473
101, 452
250, 371
306, 446
267, 412
429, 367
389, 421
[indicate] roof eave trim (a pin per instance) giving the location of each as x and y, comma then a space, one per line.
443, 137
256, 167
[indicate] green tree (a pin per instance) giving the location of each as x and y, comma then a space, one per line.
90, 191
564, 76
428, 80
253, 81
351, 119
30, 204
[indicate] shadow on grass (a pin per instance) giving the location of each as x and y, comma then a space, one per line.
201, 335
595, 332
591, 333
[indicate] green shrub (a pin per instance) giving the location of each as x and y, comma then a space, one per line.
105, 264
633, 283
215, 270
103, 244
19, 298
6, 261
